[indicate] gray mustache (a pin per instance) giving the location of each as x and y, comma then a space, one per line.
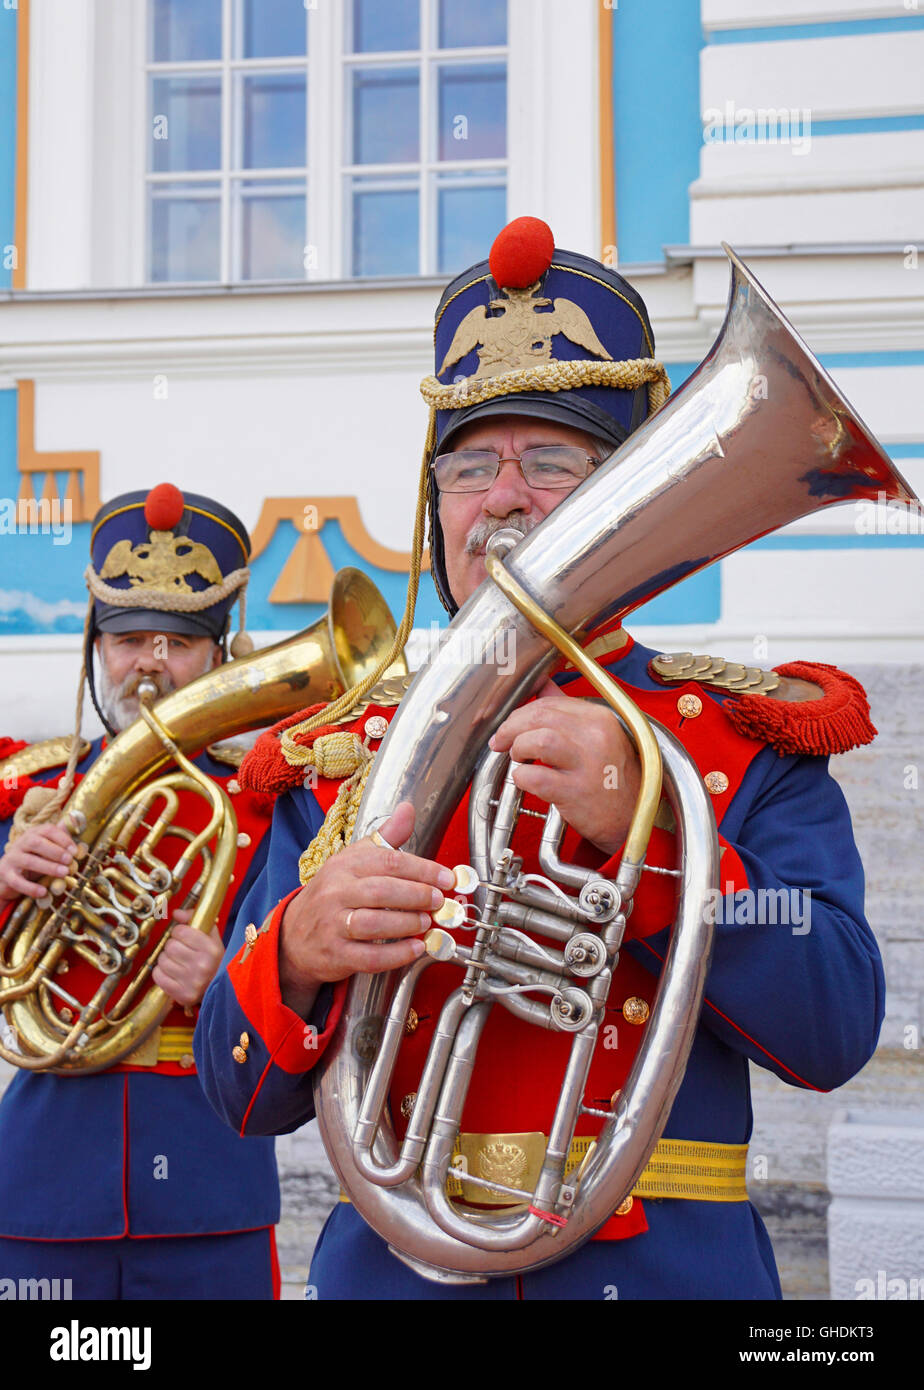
482, 531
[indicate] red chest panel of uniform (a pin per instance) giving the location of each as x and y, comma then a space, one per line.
81, 979
519, 1066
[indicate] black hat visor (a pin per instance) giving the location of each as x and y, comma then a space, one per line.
156, 620
577, 414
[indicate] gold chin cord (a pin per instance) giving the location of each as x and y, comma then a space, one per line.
107, 911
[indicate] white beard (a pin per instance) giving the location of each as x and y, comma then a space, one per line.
120, 703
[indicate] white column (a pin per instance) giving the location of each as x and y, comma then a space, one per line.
61, 144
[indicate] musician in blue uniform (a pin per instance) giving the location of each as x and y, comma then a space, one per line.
526, 400
124, 1182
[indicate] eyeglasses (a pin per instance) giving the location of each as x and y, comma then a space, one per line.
552, 466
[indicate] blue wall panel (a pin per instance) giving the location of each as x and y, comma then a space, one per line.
658, 129
261, 614
41, 569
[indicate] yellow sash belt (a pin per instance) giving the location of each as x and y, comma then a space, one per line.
164, 1045
678, 1168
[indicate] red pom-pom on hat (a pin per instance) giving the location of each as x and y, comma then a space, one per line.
164, 507
521, 253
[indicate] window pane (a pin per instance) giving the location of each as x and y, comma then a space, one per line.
271, 229
272, 113
185, 123
473, 111
271, 28
185, 232
182, 30
385, 240
386, 116
474, 23
391, 28
469, 220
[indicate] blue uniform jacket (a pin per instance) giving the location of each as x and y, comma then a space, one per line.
116, 1154
804, 999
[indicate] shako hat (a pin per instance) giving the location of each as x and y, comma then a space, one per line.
166, 561
532, 330
160, 561
538, 331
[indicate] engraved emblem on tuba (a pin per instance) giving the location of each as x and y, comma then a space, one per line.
502, 1163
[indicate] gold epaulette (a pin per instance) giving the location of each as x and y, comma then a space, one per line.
389, 691
231, 754
714, 671
39, 757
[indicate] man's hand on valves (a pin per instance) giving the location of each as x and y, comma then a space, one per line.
575, 755
365, 911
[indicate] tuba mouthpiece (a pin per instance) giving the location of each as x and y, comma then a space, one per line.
503, 541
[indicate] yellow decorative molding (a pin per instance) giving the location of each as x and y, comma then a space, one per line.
307, 574
21, 185
84, 500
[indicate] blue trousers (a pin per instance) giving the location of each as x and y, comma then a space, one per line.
692, 1250
241, 1265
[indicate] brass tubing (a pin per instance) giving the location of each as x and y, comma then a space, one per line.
649, 796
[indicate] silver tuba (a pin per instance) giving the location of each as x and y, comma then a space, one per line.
758, 437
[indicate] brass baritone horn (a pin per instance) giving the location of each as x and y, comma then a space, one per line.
107, 912
758, 437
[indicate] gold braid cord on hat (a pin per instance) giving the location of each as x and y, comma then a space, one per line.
168, 600
552, 376
177, 599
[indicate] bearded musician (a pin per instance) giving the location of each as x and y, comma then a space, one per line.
545, 363
124, 1181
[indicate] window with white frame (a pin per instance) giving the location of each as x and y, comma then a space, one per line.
227, 170
425, 134
407, 144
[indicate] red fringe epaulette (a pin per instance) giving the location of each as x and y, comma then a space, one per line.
11, 798
837, 722
264, 768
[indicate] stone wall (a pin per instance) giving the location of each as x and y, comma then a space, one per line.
884, 786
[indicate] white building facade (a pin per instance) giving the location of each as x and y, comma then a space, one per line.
224, 228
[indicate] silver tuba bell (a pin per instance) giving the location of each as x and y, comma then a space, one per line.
719, 465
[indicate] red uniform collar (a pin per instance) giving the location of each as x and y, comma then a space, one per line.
607, 643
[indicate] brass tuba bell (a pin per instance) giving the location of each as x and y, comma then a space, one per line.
107, 912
